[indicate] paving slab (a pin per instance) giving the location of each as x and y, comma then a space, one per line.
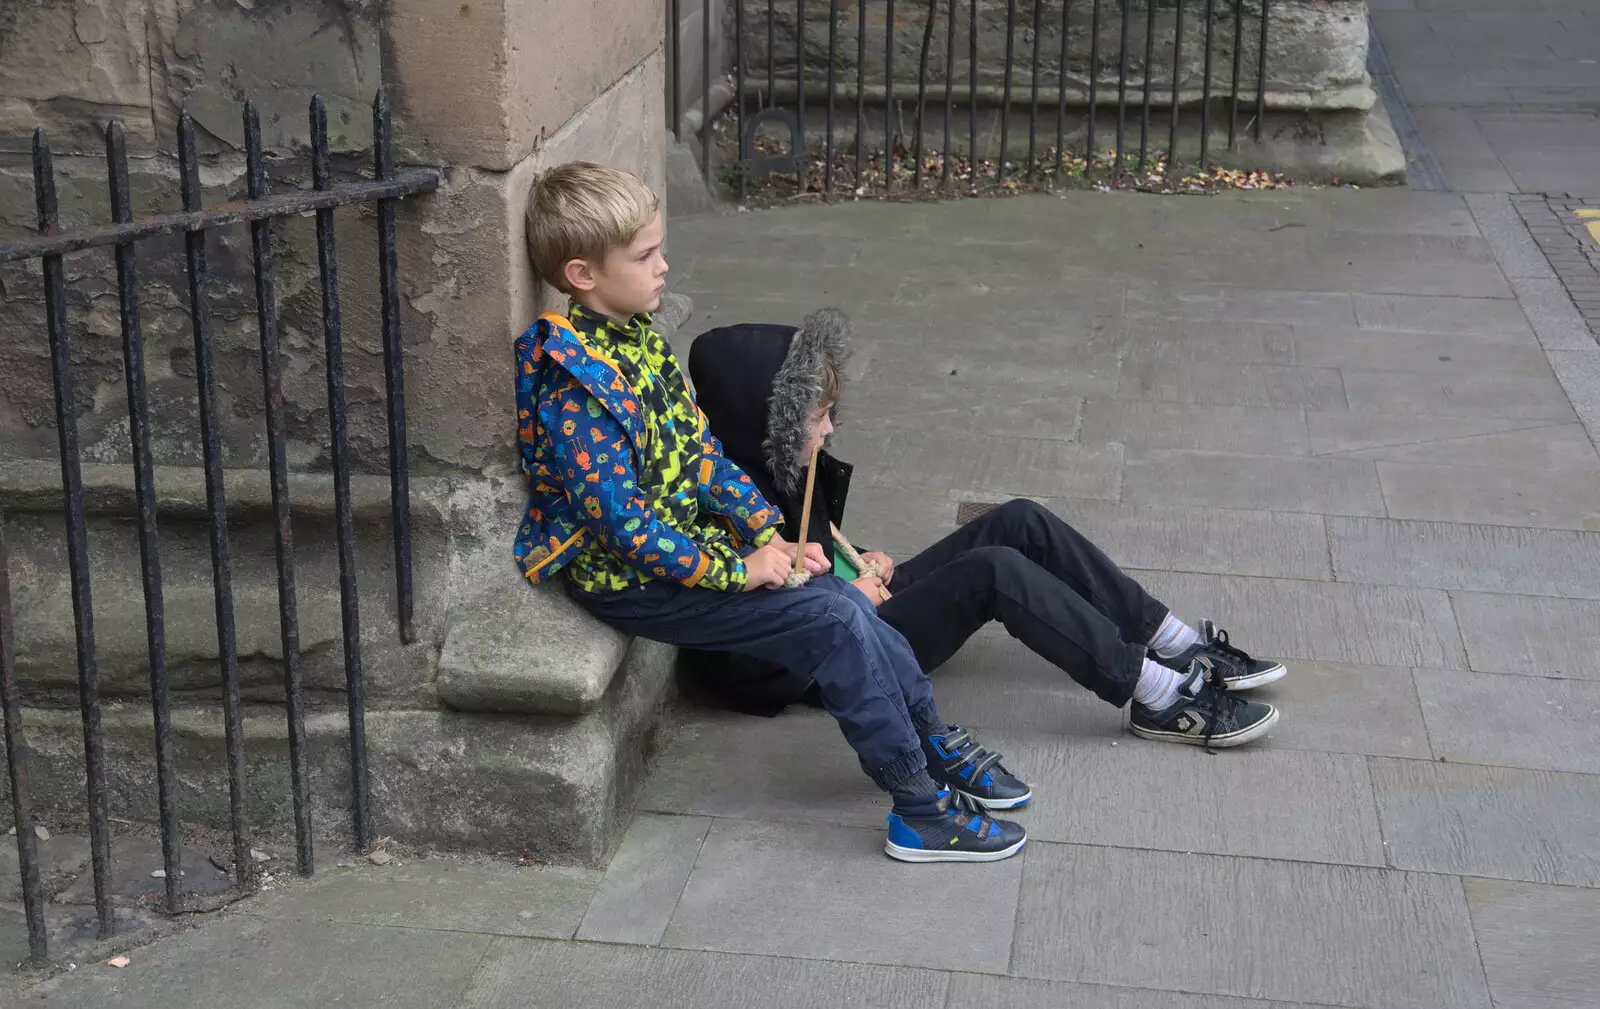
1515, 721
1224, 383
1440, 315
1514, 250
1393, 211
1295, 804
1480, 558
1390, 263
1195, 341
1507, 823
793, 767
970, 991
1555, 319
997, 468
1137, 533
1537, 943
1497, 442
1335, 707
1530, 635
1579, 375
1151, 425
818, 284
1549, 500
1477, 394
644, 880
1056, 367
1317, 486
245, 962
443, 894
842, 899
900, 521
1290, 619
1158, 299
1444, 355
519, 973
1256, 928
996, 682
945, 407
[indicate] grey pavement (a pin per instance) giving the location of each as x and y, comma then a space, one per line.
1506, 94
1330, 420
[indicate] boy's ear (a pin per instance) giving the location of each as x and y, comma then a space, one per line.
578, 275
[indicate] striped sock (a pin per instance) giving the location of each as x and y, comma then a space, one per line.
1173, 638
1157, 687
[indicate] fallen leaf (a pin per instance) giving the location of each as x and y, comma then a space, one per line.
119, 961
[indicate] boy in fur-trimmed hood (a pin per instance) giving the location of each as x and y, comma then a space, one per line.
771, 393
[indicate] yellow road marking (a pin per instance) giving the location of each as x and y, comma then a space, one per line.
1593, 225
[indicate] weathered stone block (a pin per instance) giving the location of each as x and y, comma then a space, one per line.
439, 779
518, 648
481, 84
1316, 49
68, 65
210, 57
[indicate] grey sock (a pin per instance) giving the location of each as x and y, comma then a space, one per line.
914, 786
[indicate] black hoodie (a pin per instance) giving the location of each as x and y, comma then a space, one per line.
758, 385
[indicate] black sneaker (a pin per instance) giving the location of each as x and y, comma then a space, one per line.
1239, 670
955, 759
1204, 714
938, 830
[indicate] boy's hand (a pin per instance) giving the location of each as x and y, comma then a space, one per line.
816, 562
768, 566
884, 562
872, 588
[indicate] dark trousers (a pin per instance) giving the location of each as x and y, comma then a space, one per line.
868, 675
1054, 591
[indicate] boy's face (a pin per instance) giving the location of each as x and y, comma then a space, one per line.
629, 280
821, 428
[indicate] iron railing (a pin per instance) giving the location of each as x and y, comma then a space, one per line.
1138, 90
196, 221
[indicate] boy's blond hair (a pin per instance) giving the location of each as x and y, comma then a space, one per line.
581, 210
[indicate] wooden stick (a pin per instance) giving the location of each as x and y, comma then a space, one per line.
853, 557
805, 515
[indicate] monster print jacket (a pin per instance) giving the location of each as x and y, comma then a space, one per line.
611, 479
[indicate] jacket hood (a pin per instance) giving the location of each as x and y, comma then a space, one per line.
759, 384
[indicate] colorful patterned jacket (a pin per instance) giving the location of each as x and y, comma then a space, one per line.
582, 432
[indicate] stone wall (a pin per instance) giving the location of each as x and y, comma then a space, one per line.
489, 92
1316, 51
1318, 91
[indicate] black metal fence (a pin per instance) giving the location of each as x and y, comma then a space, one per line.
1144, 85
196, 221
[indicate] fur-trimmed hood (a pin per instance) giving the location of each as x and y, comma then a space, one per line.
758, 384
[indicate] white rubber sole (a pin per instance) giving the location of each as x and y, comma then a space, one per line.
895, 851
1238, 737
1261, 679
1021, 800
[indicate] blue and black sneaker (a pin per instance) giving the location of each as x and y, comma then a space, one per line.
941, 829
955, 759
